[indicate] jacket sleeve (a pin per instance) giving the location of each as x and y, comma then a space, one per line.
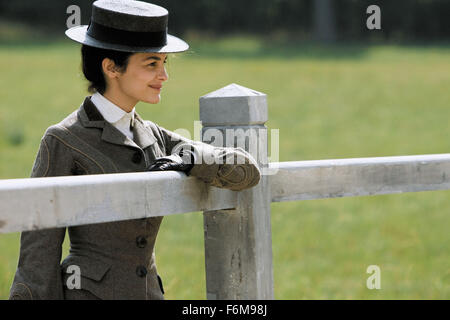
38, 274
222, 167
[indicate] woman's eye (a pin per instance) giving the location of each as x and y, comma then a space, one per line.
154, 64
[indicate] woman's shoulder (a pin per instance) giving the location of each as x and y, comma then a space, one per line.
61, 128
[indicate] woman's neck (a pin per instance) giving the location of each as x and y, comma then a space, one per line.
124, 102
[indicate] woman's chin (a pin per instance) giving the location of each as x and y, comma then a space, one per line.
152, 100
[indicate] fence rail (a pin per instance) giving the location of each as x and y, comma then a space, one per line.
35, 203
237, 228
305, 180
38, 203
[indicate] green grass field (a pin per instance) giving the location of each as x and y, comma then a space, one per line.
328, 102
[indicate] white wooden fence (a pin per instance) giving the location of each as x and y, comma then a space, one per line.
238, 245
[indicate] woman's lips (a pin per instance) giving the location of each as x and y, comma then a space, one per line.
158, 88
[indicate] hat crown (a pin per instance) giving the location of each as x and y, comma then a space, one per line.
131, 7
130, 15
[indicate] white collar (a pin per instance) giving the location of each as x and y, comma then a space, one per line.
111, 112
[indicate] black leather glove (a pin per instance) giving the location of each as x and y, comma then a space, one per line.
173, 162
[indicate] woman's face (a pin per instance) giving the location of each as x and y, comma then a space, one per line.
143, 77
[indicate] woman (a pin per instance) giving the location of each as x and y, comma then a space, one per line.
124, 50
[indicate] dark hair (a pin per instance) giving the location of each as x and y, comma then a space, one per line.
91, 59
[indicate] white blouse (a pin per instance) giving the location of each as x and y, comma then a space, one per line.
120, 119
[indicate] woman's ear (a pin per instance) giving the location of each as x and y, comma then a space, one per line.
109, 68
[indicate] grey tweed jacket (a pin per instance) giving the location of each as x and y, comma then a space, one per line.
116, 259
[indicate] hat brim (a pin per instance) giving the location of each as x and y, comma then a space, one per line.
79, 34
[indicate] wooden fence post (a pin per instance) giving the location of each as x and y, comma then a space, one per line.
238, 242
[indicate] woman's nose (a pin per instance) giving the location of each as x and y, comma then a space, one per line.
163, 74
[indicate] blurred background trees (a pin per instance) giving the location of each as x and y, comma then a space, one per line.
325, 20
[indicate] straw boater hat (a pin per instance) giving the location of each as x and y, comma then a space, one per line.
128, 25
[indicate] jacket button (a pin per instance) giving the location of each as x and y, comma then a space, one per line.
141, 271
137, 157
141, 242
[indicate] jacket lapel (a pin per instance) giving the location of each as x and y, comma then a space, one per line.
143, 135
113, 135
90, 117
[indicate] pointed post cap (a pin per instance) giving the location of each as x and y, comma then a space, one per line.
233, 105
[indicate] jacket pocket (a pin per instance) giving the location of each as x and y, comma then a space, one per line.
20, 291
93, 275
